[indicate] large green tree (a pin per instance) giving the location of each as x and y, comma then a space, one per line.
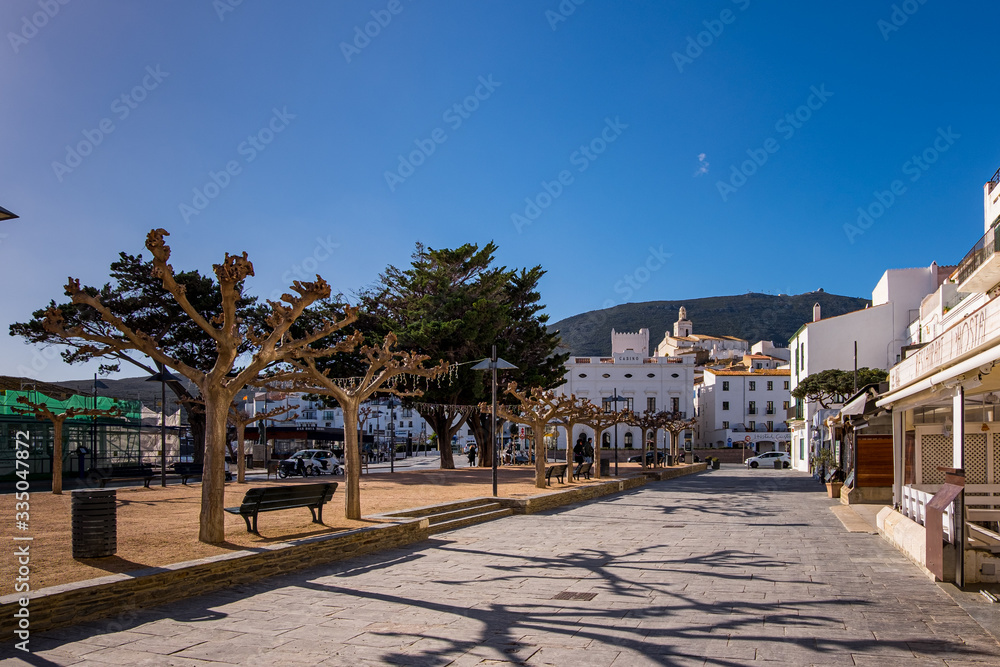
138, 299
833, 386
453, 305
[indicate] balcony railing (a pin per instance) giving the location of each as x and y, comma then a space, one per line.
995, 180
985, 248
769, 411
751, 411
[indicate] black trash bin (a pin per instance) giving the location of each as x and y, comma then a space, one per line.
777, 465
605, 468
94, 515
670, 459
715, 463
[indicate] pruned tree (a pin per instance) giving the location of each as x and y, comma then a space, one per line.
675, 424
652, 421
600, 419
834, 386
577, 412
386, 370
235, 340
240, 420
138, 299
41, 411
537, 408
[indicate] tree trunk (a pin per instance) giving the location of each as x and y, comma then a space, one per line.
569, 450
598, 441
352, 460
440, 419
57, 447
538, 429
480, 425
643, 448
241, 457
212, 524
196, 422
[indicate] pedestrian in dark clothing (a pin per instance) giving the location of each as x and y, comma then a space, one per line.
472, 455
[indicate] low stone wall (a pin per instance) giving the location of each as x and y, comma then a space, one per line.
109, 596
116, 594
908, 536
553, 499
866, 495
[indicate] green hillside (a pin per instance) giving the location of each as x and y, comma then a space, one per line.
750, 316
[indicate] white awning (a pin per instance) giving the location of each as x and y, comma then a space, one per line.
855, 407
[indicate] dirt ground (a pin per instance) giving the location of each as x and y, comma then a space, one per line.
159, 526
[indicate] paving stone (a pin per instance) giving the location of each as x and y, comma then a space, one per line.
773, 580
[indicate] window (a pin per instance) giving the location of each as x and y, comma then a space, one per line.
651, 404
784, 405
369, 428
786, 385
725, 424
725, 405
611, 406
407, 412
770, 407
606, 439
675, 404
328, 414
751, 426
770, 425
628, 440
410, 424
770, 385
802, 448
752, 408
725, 385
753, 385
309, 414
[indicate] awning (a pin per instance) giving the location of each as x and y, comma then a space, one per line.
855, 407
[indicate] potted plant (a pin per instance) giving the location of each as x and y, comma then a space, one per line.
826, 465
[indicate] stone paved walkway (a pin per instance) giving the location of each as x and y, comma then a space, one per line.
729, 567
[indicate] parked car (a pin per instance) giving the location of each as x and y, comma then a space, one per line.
649, 458
313, 462
767, 460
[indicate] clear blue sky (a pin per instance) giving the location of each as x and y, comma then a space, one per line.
328, 126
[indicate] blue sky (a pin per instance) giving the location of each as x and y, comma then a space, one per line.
620, 123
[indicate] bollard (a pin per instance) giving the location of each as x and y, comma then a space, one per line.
777, 465
95, 523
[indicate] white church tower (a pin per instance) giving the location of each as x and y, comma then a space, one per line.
682, 327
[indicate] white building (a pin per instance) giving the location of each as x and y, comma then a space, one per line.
647, 383
878, 334
744, 406
768, 348
685, 341
944, 401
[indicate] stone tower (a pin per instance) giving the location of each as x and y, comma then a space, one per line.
682, 327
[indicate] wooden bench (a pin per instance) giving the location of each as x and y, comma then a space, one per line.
188, 470
274, 498
583, 470
559, 471
102, 475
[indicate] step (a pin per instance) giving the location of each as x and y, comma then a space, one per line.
470, 520
466, 511
422, 512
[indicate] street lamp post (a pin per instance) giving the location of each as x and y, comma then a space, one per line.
493, 363
391, 404
163, 377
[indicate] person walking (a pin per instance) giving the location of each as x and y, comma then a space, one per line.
588, 451
472, 455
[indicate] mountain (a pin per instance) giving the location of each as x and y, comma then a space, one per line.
749, 316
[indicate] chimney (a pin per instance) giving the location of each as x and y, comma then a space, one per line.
816, 315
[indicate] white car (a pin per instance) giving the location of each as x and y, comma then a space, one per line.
767, 460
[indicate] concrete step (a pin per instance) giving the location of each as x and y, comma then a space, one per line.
450, 514
470, 520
